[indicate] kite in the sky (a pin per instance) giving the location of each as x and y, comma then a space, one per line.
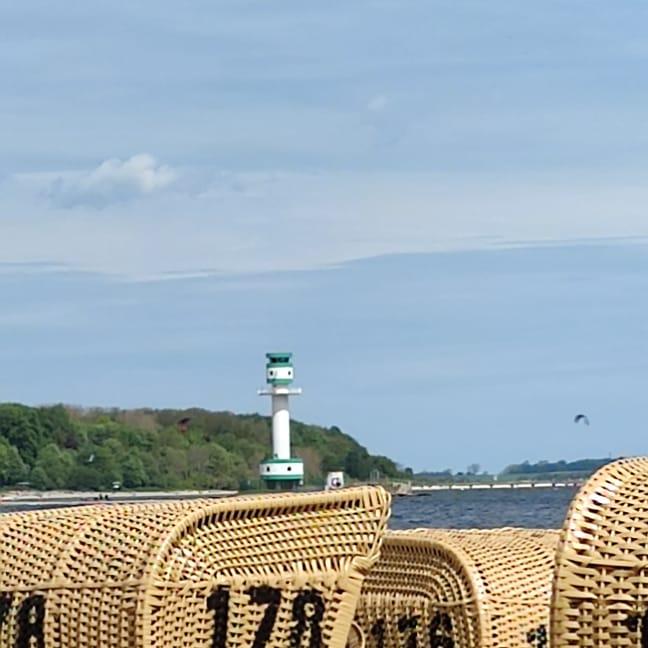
581, 417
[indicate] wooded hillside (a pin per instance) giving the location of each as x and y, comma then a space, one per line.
66, 447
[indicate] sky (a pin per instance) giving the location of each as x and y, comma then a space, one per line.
438, 206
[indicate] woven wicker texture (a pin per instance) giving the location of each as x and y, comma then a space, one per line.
277, 570
601, 588
460, 589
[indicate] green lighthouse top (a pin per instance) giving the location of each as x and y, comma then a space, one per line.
278, 359
279, 368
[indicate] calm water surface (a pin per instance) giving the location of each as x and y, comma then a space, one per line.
483, 509
480, 509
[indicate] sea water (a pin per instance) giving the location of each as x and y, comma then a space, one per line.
483, 509
459, 509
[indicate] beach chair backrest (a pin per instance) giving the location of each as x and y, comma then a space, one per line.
441, 588
601, 587
271, 570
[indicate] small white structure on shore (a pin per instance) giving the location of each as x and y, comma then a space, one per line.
281, 470
334, 480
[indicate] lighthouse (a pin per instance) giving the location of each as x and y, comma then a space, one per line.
281, 471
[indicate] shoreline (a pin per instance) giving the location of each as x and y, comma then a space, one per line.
54, 497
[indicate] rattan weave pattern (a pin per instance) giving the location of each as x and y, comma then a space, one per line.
460, 589
600, 594
272, 570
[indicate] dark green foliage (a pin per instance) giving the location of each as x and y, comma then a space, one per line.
58, 427
23, 427
59, 447
582, 467
134, 473
12, 467
53, 465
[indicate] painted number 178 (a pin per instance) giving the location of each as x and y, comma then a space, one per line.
307, 613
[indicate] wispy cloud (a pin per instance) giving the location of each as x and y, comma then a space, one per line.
32, 268
230, 222
113, 181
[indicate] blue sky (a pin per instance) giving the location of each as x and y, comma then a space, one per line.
438, 206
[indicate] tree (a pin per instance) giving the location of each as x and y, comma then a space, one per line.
12, 467
84, 477
16, 469
55, 464
151, 464
357, 464
107, 463
39, 479
22, 427
58, 425
133, 472
174, 467
386, 466
221, 467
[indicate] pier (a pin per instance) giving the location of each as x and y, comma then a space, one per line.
493, 485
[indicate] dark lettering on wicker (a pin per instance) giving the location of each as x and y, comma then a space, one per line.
409, 623
308, 610
31, 618
6, 600
378, 633
270, 597
218, 602
538, 638
441, 631
636, 622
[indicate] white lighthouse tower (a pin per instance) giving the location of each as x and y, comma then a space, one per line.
281, 470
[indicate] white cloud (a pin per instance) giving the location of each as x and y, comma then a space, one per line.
377, 103
113, 181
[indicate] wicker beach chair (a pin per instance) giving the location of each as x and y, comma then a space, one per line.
600, 594
276, 570
460, 589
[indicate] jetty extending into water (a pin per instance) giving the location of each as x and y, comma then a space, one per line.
407, 488
496, 485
